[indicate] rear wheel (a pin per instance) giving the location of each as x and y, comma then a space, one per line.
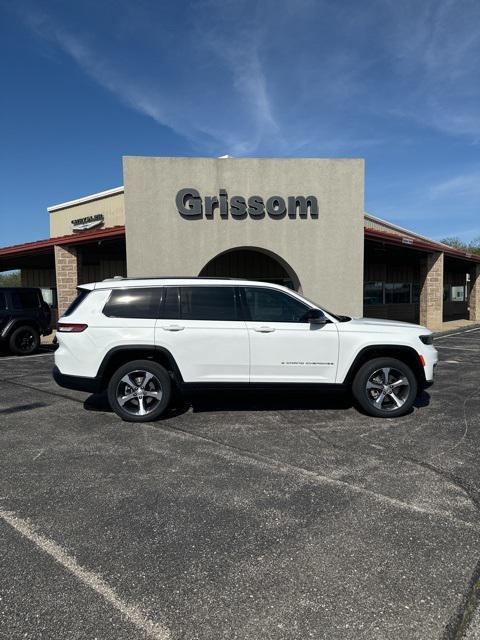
385, 387
24, 341
140, 391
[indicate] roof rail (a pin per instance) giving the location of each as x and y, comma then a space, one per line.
172, 278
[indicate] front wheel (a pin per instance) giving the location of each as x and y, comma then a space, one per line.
139, 391
385, 387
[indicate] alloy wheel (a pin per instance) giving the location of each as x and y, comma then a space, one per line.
387, 389
139, 392
25, 341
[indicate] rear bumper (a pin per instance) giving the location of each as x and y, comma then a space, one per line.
77, 383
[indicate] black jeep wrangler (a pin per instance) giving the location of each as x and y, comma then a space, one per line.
24, 317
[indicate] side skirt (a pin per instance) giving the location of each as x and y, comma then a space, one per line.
299, 387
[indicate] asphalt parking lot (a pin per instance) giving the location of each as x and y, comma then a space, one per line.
258, 517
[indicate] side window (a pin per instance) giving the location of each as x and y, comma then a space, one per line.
24, 299
209, 303
133, 303
267, 305
3, 301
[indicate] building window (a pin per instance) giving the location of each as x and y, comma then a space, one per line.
397, 293
373, 293
458, 293
416, 288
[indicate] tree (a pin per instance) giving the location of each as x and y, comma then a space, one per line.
10, 279
470, 247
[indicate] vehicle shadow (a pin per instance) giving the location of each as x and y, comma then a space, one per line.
223, 400
219, 401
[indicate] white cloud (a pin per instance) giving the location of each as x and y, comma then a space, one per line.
466, 186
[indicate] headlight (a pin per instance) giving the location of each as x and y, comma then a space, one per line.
427, 339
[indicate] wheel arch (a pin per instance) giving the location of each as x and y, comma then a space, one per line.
117, 356
15, 323
404, 353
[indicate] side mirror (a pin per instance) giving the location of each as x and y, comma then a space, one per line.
315, 316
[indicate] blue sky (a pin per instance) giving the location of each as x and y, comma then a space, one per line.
397, 83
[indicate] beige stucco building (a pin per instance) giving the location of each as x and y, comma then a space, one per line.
299, 222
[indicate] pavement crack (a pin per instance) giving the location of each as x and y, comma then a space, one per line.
322, 478
461, 619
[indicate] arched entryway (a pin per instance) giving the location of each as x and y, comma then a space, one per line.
253, 264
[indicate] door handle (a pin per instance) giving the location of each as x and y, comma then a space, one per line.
173, 327
264, 329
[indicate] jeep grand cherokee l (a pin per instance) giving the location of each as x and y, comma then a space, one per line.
136, 338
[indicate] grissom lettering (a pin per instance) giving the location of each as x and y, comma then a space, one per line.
191, 205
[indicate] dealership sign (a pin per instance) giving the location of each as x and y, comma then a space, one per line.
190, 204
90, 222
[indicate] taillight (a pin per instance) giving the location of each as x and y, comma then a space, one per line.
422, 359
64, 327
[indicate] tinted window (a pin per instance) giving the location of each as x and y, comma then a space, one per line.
208, 303
267, 305
24, 299
81, 295
373, 293
397, 292
133, 303
3, 302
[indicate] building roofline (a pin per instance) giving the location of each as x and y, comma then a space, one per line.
420, 243
73, 239
408, 232
89, 198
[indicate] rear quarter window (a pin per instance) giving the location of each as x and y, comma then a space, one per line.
81, 295
134, 303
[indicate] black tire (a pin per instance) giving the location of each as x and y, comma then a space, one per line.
24, 341
380, 399
141, 396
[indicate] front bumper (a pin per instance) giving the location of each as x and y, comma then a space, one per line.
77, 383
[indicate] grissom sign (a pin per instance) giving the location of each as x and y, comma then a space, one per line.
191, 205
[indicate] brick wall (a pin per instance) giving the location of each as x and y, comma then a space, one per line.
474, 302
66, 264
431, 294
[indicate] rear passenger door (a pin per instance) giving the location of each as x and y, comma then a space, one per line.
203, 328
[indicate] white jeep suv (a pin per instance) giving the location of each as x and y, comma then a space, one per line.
137, 338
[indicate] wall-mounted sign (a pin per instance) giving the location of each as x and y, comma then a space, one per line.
191, 205
89, 222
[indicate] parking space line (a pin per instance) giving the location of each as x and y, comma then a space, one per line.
131, 612
440, 346
458, 333
26, 358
